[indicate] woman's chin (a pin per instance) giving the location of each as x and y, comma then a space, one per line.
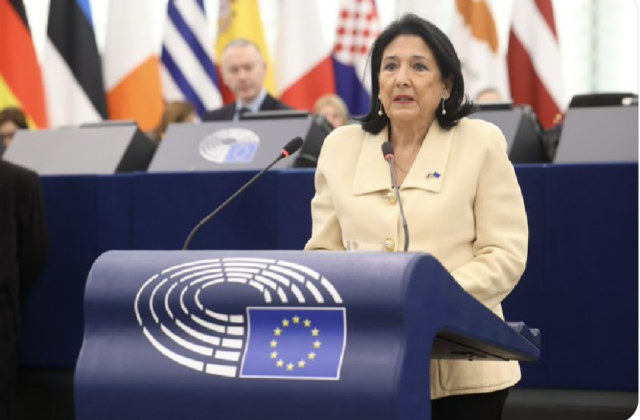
404, 115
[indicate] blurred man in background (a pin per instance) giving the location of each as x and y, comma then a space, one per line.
243, 71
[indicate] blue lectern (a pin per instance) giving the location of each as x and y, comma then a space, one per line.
286, 335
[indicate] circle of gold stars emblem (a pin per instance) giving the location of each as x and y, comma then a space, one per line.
279, 331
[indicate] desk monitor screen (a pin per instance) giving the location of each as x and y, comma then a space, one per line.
590, 100
493, 106
313, 141
104, 149
227, 145
310, 151
521, 129
275, 114
109, 123
599, 134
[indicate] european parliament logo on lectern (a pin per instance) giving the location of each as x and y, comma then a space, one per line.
298, 331
230, 145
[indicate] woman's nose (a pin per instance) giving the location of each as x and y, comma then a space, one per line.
402, 76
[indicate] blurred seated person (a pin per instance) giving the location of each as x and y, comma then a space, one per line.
174, 112
243, 71
489, 94
11, 120
333, 108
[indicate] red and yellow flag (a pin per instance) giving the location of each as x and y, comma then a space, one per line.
20, 77
241, 19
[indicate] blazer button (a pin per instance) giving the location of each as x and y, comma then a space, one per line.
389, 245
391, 198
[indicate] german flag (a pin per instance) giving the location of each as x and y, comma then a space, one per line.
21, 82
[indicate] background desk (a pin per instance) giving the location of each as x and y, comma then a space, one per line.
580, 287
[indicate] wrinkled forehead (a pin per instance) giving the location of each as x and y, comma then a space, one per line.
237, 55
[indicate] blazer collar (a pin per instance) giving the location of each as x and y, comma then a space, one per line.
428, 170
372, 171
256, 104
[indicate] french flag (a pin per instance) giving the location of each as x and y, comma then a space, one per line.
305, 70
358, 27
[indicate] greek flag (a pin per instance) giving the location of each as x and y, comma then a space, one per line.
188, 70
295, 343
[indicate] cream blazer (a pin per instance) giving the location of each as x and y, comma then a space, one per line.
463, 205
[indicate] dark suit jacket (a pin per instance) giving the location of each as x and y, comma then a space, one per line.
226, 112
23, 235
23, 245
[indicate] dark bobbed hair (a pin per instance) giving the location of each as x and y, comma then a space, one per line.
15, 115
458, 105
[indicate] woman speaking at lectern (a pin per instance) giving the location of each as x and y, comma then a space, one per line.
459, 192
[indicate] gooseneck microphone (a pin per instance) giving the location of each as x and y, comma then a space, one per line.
387, 152
289, 149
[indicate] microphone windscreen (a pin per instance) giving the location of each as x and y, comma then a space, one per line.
387, 149
293, 146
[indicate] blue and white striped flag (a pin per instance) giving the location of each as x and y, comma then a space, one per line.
188, 70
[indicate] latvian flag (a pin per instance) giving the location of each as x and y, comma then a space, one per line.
535, 69
20, 78
72, 67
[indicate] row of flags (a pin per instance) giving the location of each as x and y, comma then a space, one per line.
531, 72
75, 86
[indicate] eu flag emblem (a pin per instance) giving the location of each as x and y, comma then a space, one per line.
241, 152
294, 343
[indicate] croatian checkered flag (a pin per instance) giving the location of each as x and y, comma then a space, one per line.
358, 27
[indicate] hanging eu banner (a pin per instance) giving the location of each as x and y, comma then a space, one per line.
294, 343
